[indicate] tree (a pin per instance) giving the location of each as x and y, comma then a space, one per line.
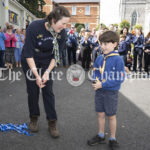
138, 26
116, 25
34, 6
79, 26
124, 24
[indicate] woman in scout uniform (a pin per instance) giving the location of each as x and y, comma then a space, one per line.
41, 54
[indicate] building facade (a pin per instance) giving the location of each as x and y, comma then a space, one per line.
82, 11
15, 14
135, 11
48, 6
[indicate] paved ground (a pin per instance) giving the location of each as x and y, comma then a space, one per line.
76, 117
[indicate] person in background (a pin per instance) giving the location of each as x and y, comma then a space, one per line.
10, 46
129, 38
129, 60
2, 48
147, 53
6, 25
63, 50
23, 35
122, 48
72, 46
18, 48
81, 39
86, 49
96, 49
111, 27
138, 42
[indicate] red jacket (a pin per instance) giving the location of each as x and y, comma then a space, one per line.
8, 40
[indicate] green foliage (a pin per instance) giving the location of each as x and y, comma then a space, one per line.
116, 25
124, 24
79, 24
79, 28
102, 25
138, 26
33, 6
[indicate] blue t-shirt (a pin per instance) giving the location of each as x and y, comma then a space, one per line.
37, 37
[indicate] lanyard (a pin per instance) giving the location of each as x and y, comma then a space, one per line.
101, 69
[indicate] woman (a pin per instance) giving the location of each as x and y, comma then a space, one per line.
41, 53
147, 53
10, 46
18, 49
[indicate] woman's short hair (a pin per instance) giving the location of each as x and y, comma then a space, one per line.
58, 13
9, 27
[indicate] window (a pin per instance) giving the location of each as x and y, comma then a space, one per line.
13, 17
134, 18
87, 10
73, 10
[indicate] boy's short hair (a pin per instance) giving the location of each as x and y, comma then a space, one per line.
109, 36
123, 36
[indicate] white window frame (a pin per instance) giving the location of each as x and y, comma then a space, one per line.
87, 10
74, 10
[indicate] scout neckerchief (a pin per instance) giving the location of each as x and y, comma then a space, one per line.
55, 44
101, 69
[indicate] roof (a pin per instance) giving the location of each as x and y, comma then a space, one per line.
76, 1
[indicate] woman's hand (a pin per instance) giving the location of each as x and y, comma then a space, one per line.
39, 82
45, 77
97, 85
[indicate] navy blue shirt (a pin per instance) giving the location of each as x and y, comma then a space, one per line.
138, 41
122, 49
114, 73
37, 37
147, 44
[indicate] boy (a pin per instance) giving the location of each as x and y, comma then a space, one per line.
122, 49
109, 74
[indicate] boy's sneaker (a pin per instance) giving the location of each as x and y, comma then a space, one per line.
113, 144
96, 140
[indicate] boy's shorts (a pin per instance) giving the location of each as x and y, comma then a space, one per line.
106, 101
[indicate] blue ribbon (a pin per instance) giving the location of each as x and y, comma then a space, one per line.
22, 129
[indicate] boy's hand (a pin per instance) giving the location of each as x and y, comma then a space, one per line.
97, 85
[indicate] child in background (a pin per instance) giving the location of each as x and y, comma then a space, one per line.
129, 60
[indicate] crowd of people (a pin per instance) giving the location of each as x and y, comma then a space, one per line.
11, 44
131, 46
84, 46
